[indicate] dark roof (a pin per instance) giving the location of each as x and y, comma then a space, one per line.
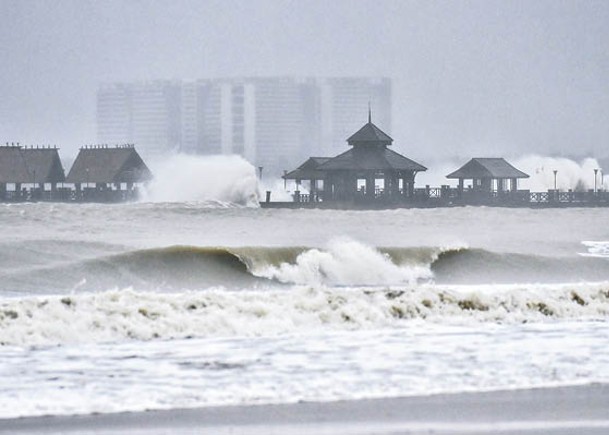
487, 168
373, 158
12, 166
30, 165
44, 165
108, 165
369, 153
308, 170
370, 134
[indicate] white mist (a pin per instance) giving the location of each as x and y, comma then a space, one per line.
229, 180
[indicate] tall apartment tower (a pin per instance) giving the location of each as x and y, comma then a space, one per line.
144, 113
274, 122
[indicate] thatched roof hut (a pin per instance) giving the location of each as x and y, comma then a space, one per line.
12, 166
44, 165
21, 165
105, 165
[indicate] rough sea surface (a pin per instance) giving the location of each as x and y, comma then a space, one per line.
107, 308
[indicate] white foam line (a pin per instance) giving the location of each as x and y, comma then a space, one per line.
372, 428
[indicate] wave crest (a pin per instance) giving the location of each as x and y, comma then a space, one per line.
343, 262
346, 263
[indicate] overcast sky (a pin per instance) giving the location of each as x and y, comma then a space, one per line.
470, 77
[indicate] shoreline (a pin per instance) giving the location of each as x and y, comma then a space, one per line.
552, 410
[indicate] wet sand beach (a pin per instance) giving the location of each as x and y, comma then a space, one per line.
561, 410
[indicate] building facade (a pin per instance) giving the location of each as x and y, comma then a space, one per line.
273, 122
146, 113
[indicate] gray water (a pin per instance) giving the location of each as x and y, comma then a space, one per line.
110, 308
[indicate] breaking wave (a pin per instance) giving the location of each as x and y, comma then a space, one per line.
217, 181
129, 315
343, 263
596, 249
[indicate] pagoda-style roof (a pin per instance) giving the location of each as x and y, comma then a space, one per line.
370, 134
482, 168
308, 170
108, 165
44, 165
374, 158
369, 153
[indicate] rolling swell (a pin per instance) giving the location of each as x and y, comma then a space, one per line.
341, 263
478, 266
347, 263
169, 268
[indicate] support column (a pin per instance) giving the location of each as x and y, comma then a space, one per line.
353, 194
389, 185
405, 187
328, 189
370, 190
411, 186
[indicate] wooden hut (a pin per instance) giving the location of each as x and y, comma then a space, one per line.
488, 175
32, 166
99, 171
369, 171
44, 167
13, 171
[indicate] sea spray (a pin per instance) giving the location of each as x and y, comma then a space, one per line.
218, 179
569, 173
345, 262
281, 190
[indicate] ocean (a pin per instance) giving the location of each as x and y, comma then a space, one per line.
152, 305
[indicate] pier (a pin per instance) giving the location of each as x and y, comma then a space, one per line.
371, 176
445, 196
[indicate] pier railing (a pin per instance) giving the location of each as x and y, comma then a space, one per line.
447, 196
66, 194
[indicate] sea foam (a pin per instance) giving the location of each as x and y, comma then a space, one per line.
345, 262
120, 315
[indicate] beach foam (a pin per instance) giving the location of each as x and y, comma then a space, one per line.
129, 315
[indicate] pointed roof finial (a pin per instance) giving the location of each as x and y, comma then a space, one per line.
369, 114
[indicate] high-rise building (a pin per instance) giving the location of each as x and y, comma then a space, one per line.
114, 107
142, 113
273, 122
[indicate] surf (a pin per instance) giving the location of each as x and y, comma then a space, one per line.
342, 262
126, 314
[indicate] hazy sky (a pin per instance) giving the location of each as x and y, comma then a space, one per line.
470, 77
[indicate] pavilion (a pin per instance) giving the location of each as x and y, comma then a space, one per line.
488, 175
368, 172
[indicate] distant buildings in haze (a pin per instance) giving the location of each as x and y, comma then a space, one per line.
273, 122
